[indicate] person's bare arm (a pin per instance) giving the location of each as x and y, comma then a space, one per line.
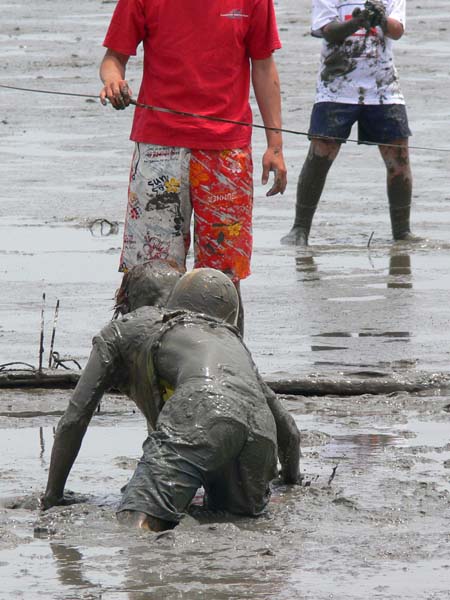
393, 28
288, 438
112, 73
72, 427
266, 85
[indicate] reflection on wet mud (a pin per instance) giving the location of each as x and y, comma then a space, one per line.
348, 334
400, 272
391, 337
326, 348
334, 334
304, 263
69, 565
361, 445
394, 365
42, 446
388, 334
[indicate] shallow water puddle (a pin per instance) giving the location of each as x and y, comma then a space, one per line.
107, 456
49, 565
314, 538
59, 253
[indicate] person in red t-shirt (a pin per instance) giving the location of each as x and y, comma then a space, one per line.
199, 57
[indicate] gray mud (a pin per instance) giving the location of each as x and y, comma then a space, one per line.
380, 528
371, 519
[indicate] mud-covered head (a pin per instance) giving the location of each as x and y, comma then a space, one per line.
148, 284
206, 291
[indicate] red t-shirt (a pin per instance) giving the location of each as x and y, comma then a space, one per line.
196, 59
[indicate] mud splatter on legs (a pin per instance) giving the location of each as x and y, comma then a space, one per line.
399, 187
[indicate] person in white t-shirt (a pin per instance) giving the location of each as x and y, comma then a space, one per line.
357, 82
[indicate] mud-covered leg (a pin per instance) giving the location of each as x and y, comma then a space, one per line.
242, 487
309, 189
399, 187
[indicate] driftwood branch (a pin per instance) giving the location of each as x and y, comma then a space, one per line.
351, 385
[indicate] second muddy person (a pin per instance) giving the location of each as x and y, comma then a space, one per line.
213, 422
357, 83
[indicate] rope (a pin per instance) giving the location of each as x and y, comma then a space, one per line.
230, 121
62, 362
23, 89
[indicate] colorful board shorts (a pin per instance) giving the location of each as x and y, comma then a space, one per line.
167, 185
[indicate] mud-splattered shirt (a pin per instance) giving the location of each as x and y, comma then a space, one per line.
361, 69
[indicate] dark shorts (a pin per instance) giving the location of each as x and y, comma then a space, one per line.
205, 438
377, 124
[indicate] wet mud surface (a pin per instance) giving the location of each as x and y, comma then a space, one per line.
371, 518
380, 528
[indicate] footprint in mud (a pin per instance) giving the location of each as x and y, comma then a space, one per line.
347, 502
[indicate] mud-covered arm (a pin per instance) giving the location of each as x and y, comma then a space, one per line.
73, 424
288, 438
337, 32
373, 15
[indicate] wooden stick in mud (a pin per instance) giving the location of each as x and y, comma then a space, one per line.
52, 342
41, 340
306, 386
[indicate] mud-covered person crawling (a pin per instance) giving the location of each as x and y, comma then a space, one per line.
212, 421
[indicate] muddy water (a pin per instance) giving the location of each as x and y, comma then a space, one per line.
380, 528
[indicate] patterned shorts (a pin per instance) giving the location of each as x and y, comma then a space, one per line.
167, 185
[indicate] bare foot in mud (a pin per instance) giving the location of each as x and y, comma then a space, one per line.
138, 520
296, 237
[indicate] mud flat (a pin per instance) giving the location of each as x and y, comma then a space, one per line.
379, 528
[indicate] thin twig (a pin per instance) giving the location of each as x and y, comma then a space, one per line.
41, 341
333, 474
52, 342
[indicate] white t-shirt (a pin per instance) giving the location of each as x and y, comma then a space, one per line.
361, 69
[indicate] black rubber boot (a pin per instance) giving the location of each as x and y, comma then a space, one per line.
399, 194
309, 189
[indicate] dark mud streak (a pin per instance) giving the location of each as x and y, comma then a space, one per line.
337, 64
